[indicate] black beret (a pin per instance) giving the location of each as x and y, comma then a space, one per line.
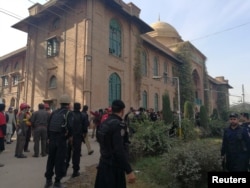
235, 115
117, 105
77, 106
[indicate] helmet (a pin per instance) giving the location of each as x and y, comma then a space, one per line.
23, 106
64, 99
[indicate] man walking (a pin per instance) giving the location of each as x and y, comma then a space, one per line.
86, 137
39, 122
59, 130
79, 124
113, 162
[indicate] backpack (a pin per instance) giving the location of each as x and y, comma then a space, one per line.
58, 120
77, 120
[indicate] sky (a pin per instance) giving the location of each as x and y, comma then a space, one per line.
218, 28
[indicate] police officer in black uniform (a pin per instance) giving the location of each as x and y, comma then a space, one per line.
59, 130
79, 124
235, 148
246, 125
113, 164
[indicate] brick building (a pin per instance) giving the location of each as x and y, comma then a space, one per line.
97, 51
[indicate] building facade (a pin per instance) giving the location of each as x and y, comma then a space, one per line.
97, 51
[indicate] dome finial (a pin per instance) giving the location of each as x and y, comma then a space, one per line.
159, 18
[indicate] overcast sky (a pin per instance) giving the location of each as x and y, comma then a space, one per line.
218, 28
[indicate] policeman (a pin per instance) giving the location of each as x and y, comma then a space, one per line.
113, 162
235, 145
246, 122
79, 129
59, 129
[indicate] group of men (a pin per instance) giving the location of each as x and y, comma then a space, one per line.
235, 150
65, 125
61, 134
66, 130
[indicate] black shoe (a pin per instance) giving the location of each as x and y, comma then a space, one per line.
8, 142
35, 156
43, 155
22, 156
48, 184
58, 185
75, 174
90, 152
26, 150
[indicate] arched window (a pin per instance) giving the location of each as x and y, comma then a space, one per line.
16, 65
144, 100
5, 80
115, 38
156, 67
156, 102
114, 87
52, 82
56, 23
6, 68
144, 66
15, 79
12, 102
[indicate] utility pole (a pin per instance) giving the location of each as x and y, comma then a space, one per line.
243, 94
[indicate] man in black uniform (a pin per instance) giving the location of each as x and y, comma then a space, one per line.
235, 146
246, 122
113, 164
59, 130
79, 129
246, 125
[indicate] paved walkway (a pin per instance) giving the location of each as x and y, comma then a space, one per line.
29, 172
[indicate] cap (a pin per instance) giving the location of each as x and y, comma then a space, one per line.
235, 115
64, 99
23, 106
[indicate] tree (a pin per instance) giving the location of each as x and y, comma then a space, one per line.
203, 117
167, 114
185, 73
188, 110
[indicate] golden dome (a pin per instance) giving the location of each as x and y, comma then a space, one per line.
163, 29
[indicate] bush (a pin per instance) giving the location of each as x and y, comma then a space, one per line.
186, 166
150, 139
217, 128
188, 130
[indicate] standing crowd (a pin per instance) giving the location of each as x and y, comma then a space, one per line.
59, 134
62, 132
